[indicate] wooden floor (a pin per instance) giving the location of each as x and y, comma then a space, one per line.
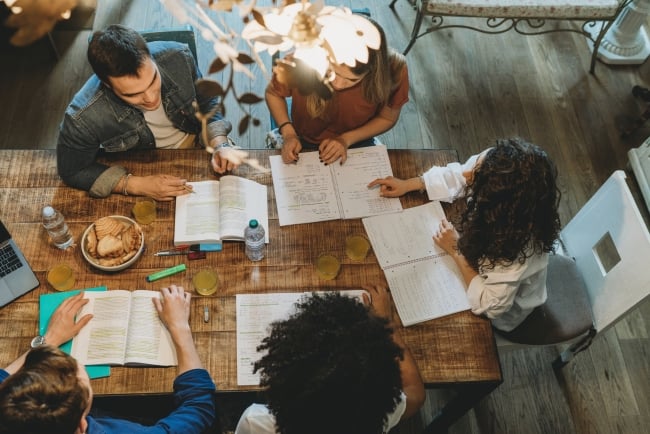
467, 89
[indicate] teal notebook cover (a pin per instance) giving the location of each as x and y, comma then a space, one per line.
48, 304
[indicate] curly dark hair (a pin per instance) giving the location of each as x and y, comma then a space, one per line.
512, 205
332, 367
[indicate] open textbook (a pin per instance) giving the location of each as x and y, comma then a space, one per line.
309, 191
125, 329
220, 210
255, 313
423, 279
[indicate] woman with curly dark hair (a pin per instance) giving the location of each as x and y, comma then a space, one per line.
506, 231
335, 366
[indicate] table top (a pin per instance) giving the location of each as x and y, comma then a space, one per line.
455, 349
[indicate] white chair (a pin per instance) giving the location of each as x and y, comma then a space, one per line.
610, 275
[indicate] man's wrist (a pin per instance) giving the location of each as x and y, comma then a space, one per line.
223, 142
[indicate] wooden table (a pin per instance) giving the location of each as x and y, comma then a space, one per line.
454, 351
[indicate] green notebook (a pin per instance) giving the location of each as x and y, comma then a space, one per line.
48, 304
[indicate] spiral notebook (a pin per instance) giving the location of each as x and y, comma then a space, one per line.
424, 280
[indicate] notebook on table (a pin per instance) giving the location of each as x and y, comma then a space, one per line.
16, 276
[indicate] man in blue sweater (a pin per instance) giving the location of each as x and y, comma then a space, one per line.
48, 391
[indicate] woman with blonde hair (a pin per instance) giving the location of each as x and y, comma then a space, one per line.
363, 101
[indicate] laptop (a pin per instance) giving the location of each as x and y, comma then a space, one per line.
16, 276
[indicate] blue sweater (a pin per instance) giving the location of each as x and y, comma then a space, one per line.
195, 411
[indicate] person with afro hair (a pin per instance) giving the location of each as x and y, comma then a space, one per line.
337, 365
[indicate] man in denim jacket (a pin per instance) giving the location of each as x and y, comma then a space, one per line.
141, 97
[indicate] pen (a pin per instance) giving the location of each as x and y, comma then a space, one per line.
165, 273
172, 252
187, 188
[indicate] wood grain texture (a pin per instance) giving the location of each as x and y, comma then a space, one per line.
452, 350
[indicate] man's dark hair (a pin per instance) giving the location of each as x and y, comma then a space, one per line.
117, 51
332, 367
512, 206
44, 396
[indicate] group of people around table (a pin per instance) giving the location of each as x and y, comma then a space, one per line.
337, 364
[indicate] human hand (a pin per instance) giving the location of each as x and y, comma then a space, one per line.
222, 162
291, 149
174, 308
332, 149
446, 237
159, 187
391, 186
62, 326
379, 301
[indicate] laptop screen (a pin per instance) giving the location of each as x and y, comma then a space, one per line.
4, 233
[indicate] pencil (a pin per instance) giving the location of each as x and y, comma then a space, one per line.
188, 188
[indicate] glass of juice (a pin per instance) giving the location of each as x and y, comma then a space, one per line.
144, 210
356, 247
61, 277
327, 266
206, 281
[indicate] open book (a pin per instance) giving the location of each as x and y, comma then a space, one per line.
255, 313
423, 279
309, 191
125, 329
48, 303
220, 210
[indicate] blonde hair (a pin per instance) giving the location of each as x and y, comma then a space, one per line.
384, 70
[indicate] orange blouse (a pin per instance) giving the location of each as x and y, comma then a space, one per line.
347, 111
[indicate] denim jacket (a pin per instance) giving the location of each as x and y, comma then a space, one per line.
97, 121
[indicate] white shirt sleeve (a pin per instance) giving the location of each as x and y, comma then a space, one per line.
447, 183
394, 417
507, 295
256, 419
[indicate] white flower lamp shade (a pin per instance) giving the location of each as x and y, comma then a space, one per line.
320, 34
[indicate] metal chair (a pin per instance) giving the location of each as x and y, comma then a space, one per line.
606, 276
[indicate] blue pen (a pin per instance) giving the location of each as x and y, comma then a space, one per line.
165, 273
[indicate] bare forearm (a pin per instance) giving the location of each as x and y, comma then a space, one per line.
372, 128
466, 270
188, 357
277, 106
412, 384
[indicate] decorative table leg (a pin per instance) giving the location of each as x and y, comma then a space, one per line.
626, 42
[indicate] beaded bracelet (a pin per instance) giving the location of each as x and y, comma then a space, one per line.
126, 182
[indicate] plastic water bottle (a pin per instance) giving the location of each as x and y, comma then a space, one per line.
57, 228
254, 239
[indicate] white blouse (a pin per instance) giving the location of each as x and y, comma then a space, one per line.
258, 419
506, 295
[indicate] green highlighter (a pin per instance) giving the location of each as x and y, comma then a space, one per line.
165, 273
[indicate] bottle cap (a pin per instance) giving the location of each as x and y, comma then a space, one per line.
48, 211
253, 223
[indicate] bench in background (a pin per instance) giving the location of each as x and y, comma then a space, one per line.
526, 17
